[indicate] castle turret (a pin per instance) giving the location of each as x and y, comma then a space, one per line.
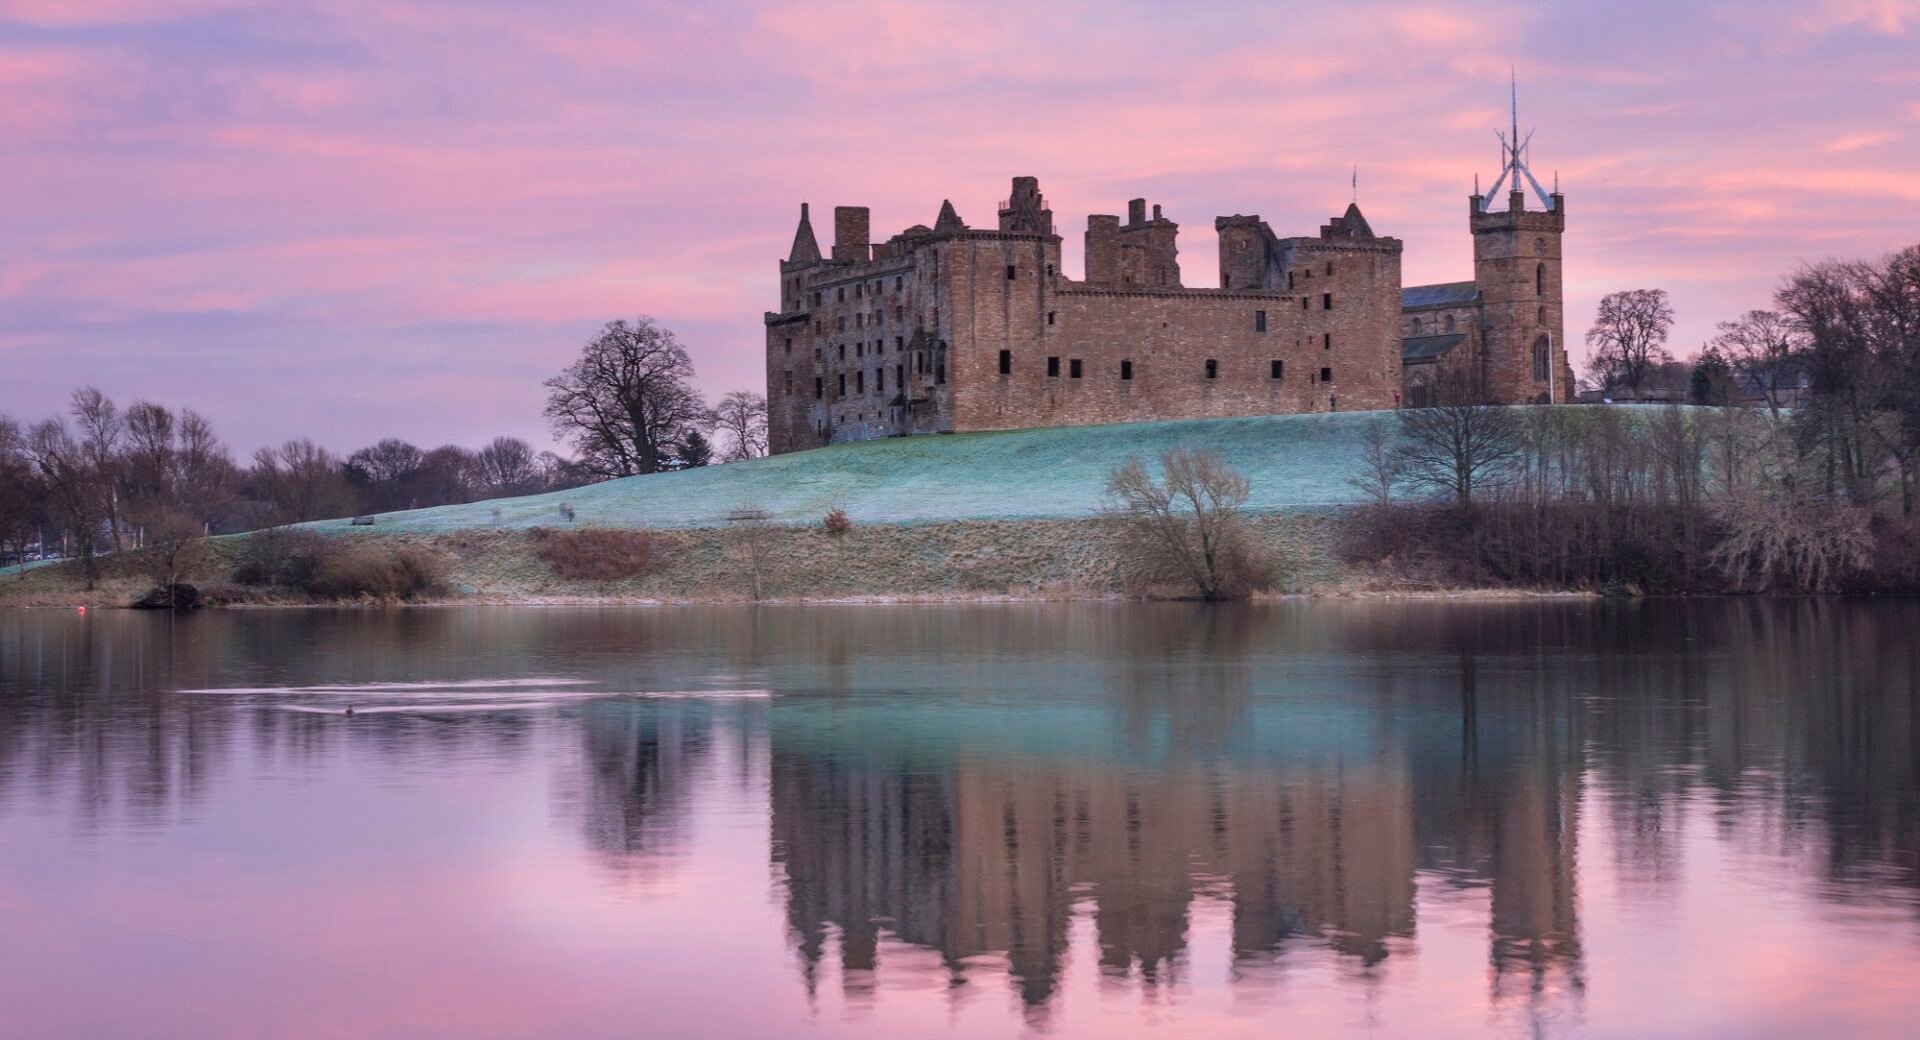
806, 249
1149, 254
1026, 209
1516, 268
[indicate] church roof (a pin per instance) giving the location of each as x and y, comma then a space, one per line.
1422, 348
1445, 294
805, 248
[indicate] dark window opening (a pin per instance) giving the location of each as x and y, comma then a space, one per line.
1006, 362
1126, 370
843, 385
1073, 368
1049, 317
1326, 301
1326, 375
1539, 279
789, 344
842, 294
843, 351
1053, 368
1226, 281
1326, 341
1010, 270
1329, 267
1540, 360
1276, 369
940, 372
900, 376
1305, 302
860, 382
1213, 368
1289, 279
1259, 321
787, 380
819, 388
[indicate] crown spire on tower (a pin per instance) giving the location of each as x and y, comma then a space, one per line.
1513, 158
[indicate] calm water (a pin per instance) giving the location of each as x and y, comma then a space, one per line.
1420, 820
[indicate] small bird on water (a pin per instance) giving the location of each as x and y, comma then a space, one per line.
349, 709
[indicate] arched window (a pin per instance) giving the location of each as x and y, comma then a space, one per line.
1416, 326
1540, 360
1449, 323
1539, 279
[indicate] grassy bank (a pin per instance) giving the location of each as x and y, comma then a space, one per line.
958, 559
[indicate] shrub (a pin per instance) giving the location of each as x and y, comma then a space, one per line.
338, 568
837, 522
378, 571
594, 553
1188, 526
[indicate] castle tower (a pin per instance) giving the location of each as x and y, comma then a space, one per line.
1516, 268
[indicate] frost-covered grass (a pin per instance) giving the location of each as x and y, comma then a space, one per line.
1295, 463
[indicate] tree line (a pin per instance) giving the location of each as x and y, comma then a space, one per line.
1802, 477
101, 478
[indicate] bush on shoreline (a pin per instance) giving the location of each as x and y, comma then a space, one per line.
595, 553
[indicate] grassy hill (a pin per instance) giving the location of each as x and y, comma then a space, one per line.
1296, 463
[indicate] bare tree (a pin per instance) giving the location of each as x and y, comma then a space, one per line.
1762, 346
506, 466
628, 402
299, 481
101, 430
21, 491
1629, 338
1381, 467
742, 415
1190, 520
1461, 443
76, 490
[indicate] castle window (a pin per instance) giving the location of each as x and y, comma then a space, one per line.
1049, 317
1259, 321
1006, 362
1213, 368
860, 349
1539, 279
940, 372
840, 323
859, 321
789, 344
856, 292
1276, 369
1326, 301
899, 343
900, 376
1326, 375
896, 282
1053, 368
843, 351
1540, 360
842, 294
880, 380
1543, 315
819, 388
1010, 271
1073, 368
1226, 281
1449, 323
1416, 326
816, 353
1049, 270
787, 381
843, 384
1126, 370
1329, 267
860, 382
1326, 341
816, 299
1305, 302
1289, 280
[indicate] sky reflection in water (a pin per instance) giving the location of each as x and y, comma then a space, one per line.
1561, 819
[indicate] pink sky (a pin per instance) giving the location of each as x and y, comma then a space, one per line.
357, 219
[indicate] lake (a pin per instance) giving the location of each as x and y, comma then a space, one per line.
1389, 819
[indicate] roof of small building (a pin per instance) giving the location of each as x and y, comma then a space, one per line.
1422, 348
1442, 295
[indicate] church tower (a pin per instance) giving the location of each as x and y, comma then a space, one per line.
1516, 268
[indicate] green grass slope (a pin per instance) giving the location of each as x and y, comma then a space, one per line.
1295, 463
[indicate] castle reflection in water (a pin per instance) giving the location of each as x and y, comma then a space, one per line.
1184, 758
941, 797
